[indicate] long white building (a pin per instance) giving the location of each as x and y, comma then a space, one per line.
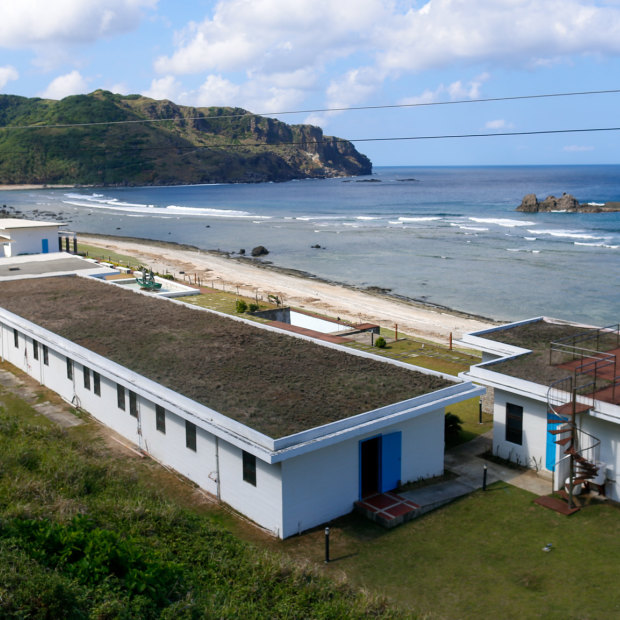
307, 474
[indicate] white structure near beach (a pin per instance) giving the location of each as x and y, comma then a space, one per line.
19, 236
287, 482
556, 391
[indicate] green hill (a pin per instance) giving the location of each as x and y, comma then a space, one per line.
162, 144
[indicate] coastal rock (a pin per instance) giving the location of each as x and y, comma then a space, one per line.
531, 204
260, 250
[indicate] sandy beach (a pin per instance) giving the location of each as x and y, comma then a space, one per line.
244, 275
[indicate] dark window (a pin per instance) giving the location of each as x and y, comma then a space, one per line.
96, 383
160, 419
69, 369
249, 468
514, 423
15, 338
46, 356
35, 349
120, 396
133, 404
86, 374
190, 435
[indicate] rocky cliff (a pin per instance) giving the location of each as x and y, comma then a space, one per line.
141, 141
531, 204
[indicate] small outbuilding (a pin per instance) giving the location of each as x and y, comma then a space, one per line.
19, 236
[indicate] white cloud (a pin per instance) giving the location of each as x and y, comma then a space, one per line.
33, 23
273, 35
164, 88
455, 91
383, 40
64, 85
497, 124
7, 73
574, 148
216, 90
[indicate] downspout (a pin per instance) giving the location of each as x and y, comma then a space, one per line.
217, 467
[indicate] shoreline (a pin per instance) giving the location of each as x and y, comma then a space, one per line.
296, 288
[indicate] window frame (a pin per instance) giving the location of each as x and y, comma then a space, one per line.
86, 375
514, 424
69, 368
248, 467
15, 338
35, 350
120, 397
46, 356
190, 436
133, 404
96, 383
160, 419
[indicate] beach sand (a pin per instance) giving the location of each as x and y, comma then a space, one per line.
252, 278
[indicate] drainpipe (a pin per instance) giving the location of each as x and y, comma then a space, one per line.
217, 467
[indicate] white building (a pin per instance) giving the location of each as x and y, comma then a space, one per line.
286, 484
28, 236
557, 397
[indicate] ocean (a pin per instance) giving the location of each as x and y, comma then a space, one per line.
449, 236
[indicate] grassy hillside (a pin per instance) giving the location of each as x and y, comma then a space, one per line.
89, 532
178, 145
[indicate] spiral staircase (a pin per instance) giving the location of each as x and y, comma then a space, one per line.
590, 359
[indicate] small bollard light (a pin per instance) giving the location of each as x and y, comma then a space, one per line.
484, 478
326, 545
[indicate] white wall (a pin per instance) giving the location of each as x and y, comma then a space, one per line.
29, 240
322, 485
534, 430
299, 319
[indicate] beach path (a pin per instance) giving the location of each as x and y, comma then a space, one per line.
313, 295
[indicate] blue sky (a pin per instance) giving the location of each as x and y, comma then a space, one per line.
270, 56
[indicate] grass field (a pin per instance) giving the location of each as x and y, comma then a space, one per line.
89, 532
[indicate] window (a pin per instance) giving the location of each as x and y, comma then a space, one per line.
15, 338
160, 419
249, 468
514, 423
120, 396
86, 374
96, 383
133, 404
46, 356
35, 349
69, 369
190, 435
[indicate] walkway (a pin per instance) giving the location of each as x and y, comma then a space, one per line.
465, 461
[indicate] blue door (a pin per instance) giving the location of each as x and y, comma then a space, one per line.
45, 246
553, 421
391, 452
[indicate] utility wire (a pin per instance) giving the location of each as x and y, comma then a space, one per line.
315, 110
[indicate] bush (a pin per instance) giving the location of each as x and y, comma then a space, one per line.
380, 342
241, 306
253, 308
453, 426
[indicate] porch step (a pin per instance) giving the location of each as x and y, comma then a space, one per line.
387, 509
556, 504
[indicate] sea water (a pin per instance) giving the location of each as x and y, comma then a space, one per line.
449, 236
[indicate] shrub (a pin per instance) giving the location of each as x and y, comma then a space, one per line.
453, 426
241, 306
380, 342
253, 308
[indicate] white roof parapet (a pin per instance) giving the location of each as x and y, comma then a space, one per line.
11, 223
329, 434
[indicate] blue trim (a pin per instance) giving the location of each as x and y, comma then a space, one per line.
391, 453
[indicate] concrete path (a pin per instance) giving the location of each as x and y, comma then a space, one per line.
27, 390
465, 461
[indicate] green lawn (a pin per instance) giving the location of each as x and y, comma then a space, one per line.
482, 557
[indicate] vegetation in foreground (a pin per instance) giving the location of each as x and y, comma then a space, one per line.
84, 535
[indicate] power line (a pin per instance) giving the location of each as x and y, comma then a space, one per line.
316, 110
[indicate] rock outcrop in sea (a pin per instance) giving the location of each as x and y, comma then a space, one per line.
566, 202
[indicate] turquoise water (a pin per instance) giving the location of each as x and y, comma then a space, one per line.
447, 236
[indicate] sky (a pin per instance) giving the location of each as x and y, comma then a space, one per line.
277, 56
